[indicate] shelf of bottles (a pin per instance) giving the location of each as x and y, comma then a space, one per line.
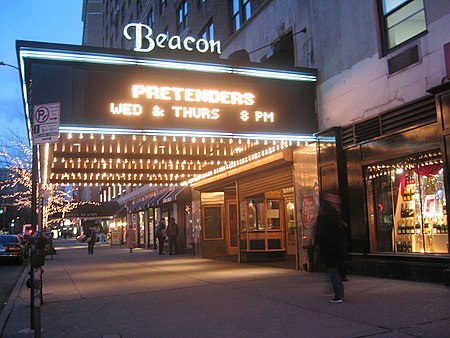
421, 225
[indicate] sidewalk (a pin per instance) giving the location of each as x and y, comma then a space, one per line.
117, 294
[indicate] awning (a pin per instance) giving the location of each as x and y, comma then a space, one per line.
157, 201
139, 206
122, 212
172, 195
97, 210
149, 202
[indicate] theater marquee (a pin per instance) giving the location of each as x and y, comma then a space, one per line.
126, 91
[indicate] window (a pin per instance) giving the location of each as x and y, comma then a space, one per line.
208, 32
241, 12
407, 205
162, 6
182, 19
212, 220
201, 2
151, 18
139, 7
402, 20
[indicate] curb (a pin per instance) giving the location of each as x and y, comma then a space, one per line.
7, 310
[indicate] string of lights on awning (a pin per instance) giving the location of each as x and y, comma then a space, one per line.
173, 158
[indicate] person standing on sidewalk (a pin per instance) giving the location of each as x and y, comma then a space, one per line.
130, 238
91, 238
172, 233
330, 237
161, 234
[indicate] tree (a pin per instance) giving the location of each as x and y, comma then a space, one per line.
16, 188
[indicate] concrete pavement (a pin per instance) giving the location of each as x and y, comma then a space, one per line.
114, 293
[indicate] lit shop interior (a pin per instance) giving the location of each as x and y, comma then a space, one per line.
407, 205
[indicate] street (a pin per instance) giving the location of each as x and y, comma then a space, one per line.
9, 274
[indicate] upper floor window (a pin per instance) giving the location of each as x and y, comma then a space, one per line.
139, 7
242, 11
402, 20
151, 18
201, 2
208, 32
182, 16
162, 6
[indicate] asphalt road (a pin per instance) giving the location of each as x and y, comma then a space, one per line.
9, 275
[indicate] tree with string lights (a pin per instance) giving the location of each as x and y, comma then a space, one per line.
16, 186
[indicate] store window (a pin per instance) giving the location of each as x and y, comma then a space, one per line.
262, 224
407, 205
401, 21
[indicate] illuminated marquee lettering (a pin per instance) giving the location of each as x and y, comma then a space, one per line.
190, 104
126, 109
196, 113
192, 95
144, 32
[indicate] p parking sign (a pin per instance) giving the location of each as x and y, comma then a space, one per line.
46, 118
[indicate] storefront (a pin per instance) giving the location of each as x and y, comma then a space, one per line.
393, 177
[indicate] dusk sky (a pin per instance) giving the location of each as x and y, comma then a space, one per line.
57, 21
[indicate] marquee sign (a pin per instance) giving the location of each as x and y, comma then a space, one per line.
109, 91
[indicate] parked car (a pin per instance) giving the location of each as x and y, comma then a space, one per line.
11, 248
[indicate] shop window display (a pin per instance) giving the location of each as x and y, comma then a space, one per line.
407, 205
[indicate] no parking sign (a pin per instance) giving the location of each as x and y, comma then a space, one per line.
46, 119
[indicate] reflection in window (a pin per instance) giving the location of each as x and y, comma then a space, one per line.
402, 20
241, 10
208, 32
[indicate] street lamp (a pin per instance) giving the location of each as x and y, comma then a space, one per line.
8, 65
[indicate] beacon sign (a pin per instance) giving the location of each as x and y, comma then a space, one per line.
144, 42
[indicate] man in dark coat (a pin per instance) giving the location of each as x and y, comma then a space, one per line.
330, 237
172, 234
161, 234
91, 238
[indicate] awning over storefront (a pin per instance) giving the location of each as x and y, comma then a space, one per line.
94, 210
122, 212
139, 206
172, 195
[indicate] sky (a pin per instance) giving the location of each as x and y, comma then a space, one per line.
56, 21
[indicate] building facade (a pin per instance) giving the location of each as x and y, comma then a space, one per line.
381, 95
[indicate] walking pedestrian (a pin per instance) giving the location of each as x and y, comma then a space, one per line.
91, 238
330, 237
130, 238
172, 234
161, 234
